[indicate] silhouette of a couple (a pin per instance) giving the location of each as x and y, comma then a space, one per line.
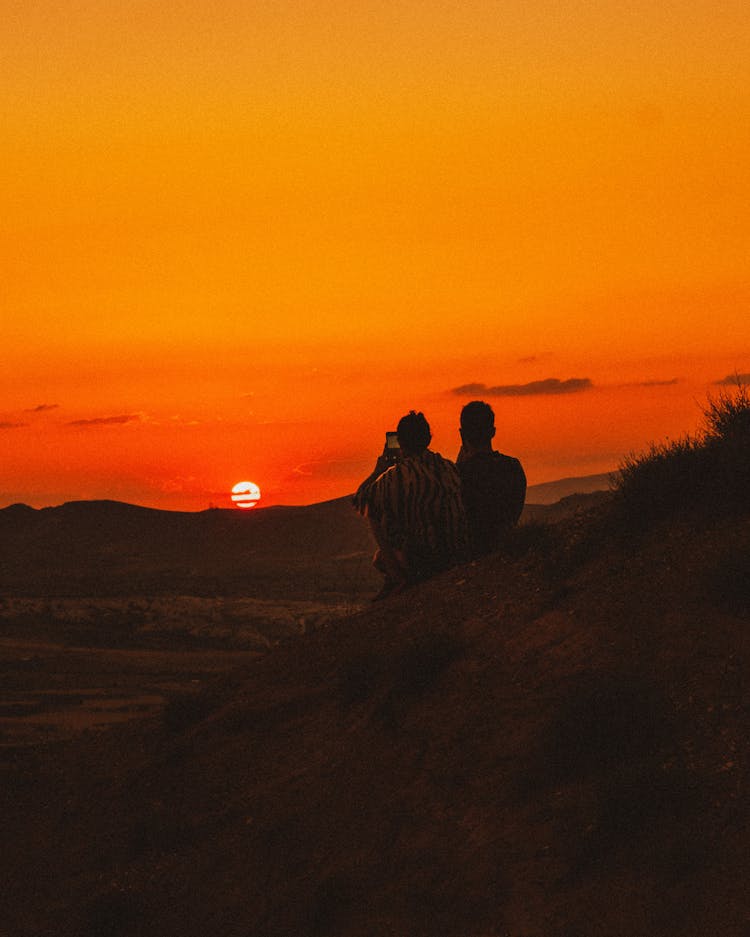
427, 513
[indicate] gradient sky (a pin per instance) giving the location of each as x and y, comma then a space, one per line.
240, 239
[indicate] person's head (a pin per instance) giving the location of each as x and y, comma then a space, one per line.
477, 425
413, 432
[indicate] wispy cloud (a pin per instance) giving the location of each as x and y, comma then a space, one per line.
106, 420
666, 383
42, 408
654, 383
6, 424
732, 380
551, 385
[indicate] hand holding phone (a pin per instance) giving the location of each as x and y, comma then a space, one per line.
392, 449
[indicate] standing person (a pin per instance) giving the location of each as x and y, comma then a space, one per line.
415, 509
493, 484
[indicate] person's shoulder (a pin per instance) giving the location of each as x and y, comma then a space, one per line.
439, 460
433, 456
480, 461
510, 469
490, 467
508, 461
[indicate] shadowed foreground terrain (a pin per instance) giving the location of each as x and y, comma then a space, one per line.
551, 743
109, 610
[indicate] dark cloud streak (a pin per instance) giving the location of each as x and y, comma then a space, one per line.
655, 383
106, 420
42, 408
551, 385
5, 424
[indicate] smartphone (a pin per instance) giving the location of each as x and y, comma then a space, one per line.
392, 448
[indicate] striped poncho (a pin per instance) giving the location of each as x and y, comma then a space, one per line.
417, 503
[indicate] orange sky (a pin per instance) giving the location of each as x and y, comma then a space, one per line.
240, 239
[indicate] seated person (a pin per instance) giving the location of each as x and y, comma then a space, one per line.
493, 485
415, 509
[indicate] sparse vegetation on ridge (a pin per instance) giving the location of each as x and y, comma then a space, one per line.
708, 471
705, 477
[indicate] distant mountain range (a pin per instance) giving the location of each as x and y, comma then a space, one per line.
550, 492
319, 551
111, 548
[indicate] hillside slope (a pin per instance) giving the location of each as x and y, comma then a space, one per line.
549, 744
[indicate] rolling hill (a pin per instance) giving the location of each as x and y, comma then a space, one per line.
110, 548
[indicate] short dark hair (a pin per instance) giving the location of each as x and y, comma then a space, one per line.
477, 423
414, 432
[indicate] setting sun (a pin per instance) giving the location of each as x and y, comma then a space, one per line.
245, 494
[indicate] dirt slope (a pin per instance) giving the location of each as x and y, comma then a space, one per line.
548, 746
